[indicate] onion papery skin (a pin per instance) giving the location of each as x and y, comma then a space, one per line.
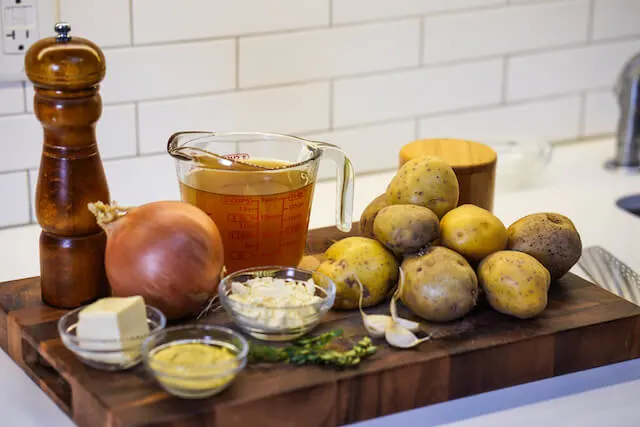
168, 252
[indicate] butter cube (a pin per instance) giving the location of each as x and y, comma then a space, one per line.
106, 327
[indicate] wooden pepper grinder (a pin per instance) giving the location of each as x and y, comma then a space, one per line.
65, 72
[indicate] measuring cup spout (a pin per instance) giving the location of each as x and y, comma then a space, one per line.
344, 183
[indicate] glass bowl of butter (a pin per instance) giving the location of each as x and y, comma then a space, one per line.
195, 361
108, 333
276, 303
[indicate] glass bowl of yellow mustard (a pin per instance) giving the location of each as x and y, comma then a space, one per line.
195, 361
274, 303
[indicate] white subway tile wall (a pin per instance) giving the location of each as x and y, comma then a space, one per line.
15, 201
601, 113
11, 98
371, 147
503, 31
615, 18
148, 72
288, 109
551, 120
338, 51
368, 75
567, 71
106, 23
417, 92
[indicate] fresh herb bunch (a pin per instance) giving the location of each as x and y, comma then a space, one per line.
313, 351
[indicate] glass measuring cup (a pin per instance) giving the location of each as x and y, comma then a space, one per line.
258, 189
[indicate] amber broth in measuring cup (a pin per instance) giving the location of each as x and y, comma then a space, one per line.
263, 217
260, 197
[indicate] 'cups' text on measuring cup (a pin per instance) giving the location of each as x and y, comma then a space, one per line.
258, 189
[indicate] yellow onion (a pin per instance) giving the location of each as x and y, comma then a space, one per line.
168, 252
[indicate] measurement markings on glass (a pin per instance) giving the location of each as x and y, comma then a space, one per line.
245, 220
264, 226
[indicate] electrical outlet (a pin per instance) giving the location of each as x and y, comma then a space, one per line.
21, 24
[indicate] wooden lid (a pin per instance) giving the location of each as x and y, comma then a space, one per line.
463, 156
64, 62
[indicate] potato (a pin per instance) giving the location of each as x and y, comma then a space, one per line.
369, 214
365, 258
440, 285
550, 238
473, 232
405, 229
515, 283
425, 181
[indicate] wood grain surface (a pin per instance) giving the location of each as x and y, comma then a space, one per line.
583, 327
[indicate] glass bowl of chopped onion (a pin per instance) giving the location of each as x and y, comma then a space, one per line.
276, 303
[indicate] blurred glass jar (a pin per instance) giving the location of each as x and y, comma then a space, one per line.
520, 162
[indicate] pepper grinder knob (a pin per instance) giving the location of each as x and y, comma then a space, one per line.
62, 30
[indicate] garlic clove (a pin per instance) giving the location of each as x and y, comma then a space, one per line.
376, 324
400, 337
381, 325
407, 324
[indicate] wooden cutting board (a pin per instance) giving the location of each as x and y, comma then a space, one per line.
583, 327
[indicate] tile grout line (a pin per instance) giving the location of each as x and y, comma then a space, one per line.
330, 13
25, 97
331, 104
416, 128
30, 196
131, 23
531, 51
504, 89
237, 63
421, 42
591, 22
136, 121
582, 118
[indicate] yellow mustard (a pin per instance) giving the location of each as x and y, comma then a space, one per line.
193, 366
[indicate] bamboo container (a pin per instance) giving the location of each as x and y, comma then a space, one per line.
473, 163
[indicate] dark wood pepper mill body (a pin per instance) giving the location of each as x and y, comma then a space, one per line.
65, 73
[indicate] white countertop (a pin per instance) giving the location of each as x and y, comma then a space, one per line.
575, 184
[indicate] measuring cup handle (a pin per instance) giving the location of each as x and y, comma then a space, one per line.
344, 189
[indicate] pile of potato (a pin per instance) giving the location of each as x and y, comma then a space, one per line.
448, 252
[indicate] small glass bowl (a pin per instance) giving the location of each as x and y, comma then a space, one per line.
520, 162
195, 381
281, 323
107, 355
